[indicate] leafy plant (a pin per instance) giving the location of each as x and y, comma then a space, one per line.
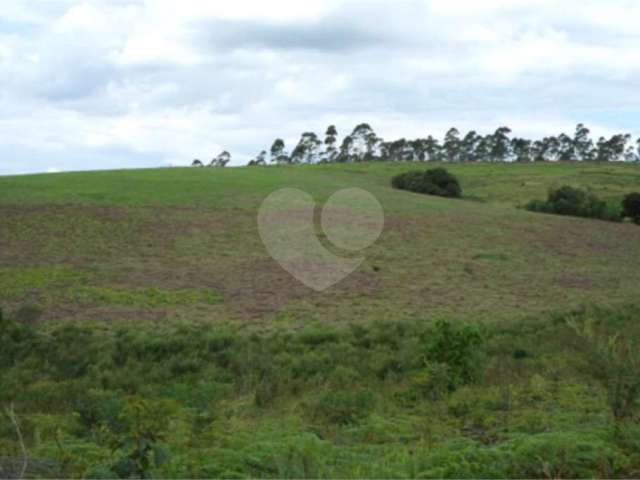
342, 407
461, 349
614, 360
137, 436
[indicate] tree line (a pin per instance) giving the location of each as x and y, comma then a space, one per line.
362, 144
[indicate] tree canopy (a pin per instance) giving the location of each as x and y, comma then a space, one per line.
363, 144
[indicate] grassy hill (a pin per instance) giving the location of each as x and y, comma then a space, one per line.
146, 330
183, 243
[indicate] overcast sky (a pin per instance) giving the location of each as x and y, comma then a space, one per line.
99, 85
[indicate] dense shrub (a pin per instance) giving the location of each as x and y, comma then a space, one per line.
461, 349
574, 202
435, 181
342, 407
614, 361
631, 207
549, 455
372, 400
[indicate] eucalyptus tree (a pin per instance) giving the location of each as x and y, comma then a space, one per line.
618, 146
221, 160
615, 148
432, 148
521, 148
306, 150
419, 149
364, 144
451, 145
552, 148
501, 145
582, 144
345, 147
261, 159
395, 150
602, 150
278, 154
537, 151
566, 148
484, 148
330, 150
468, 146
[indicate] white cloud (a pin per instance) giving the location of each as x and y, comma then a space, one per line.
102, 84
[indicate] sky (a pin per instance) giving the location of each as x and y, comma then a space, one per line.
130, 84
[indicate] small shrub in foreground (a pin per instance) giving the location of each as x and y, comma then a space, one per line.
461, 349
614, 361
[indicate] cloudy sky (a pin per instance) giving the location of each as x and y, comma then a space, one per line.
120, 84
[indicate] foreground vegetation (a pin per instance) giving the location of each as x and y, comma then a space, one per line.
556, 396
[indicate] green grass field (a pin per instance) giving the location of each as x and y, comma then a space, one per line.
148, 331
188, 230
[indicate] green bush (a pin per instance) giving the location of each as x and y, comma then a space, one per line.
461, 349
574, 202
17, 340
614, 361
268, 387
137, 436
432, 382
342, 407
548, 455
435, 181
631, 207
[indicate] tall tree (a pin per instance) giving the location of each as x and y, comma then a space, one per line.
566, 148
537, 151
500, 148
395, 150
419, 148
552, 148
521, 148
468, 146
278, 154
221, 160
484, 148
330, 150
603, 153
306, 150
582, 144
432, 149
618, 145
361, 144
617, 148
451, 145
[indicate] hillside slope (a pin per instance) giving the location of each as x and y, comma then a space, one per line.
183, 243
